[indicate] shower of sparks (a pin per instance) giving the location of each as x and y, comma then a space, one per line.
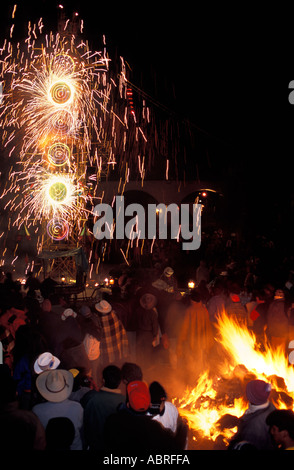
61, 111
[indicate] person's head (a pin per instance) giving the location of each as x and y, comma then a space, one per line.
103, 307
46, 305
281, 425
81, 378
158, 397
279, 294
55, 385
177, 295
195, 295
148, 301
111, 376
138, 396
234, 290
60, 433
269, 291
168, 271
218, 287
258, 391
85, 311
130, 372
45, 361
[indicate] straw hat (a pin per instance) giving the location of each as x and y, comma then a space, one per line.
168, 271
55, 385
68, 312
103, 307
160, 284
46, 361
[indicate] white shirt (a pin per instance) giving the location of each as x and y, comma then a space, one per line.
169, 419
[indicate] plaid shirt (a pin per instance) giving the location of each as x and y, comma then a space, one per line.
114, 342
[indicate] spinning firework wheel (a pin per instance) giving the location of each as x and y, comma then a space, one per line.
65, 168
65, 122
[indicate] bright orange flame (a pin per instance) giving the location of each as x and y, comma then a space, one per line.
203, 412
241, 345
201, 406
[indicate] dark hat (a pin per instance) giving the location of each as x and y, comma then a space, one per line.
157, 395
85, 311
257, 391
138, 395
157, 392
148, 301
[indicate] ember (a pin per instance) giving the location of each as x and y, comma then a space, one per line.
218, 398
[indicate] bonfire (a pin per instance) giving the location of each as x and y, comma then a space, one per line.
218, 399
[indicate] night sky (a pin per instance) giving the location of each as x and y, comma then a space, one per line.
224, 70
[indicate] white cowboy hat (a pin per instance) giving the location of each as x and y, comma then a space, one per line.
168, 271
55, 385
103, 307
46, 361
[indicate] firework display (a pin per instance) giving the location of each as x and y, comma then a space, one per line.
57, 229
62, 103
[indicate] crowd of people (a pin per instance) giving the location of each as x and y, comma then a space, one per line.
82, 375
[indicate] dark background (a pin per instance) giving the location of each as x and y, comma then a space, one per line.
222, 71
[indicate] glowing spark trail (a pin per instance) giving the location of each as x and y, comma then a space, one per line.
61, 110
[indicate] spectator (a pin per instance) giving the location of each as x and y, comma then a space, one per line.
92, 332
47, 287
101, 405
130, 372
252, 426
82, 386
202, 273
9, 283
216, 304
64, 336
258, 316
234, 307
10, 320
45, 361
173, 322
20, 429
131, 429
28, 344
148, 331
32, 284
169, 278
32, 310
114, 341
281, 425
195, 338
160, 409
56, 386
